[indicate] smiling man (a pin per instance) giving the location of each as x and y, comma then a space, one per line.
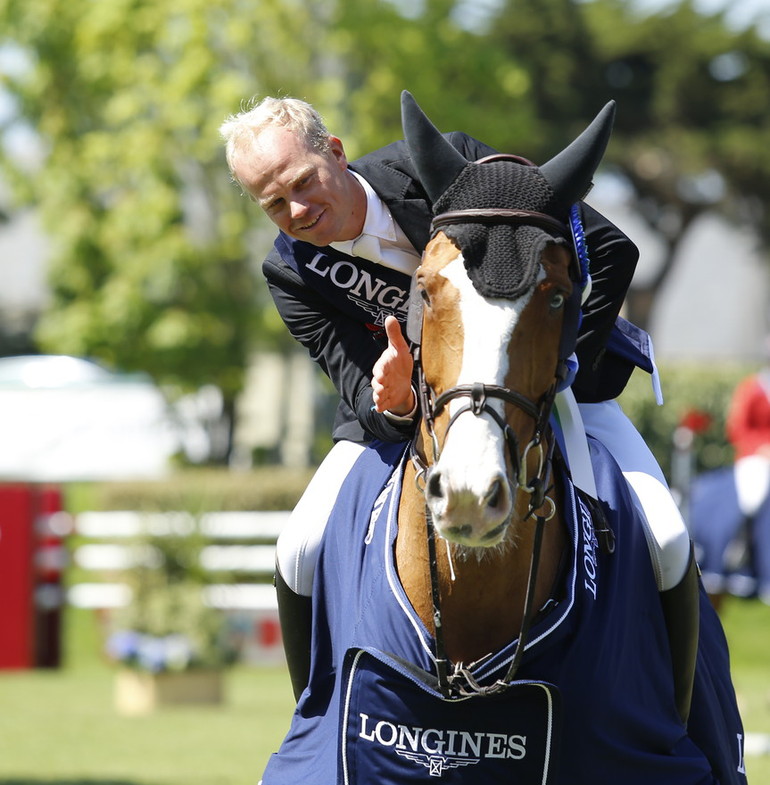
304, 186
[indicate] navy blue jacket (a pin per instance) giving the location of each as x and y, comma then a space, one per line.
337, 313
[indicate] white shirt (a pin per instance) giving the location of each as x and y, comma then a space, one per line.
382, 240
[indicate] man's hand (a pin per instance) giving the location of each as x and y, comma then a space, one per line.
392, 374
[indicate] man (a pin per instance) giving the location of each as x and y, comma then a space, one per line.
351, 235
748, 430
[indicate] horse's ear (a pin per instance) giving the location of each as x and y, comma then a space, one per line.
438, 163
570, 172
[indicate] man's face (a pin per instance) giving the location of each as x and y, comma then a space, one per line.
308, 194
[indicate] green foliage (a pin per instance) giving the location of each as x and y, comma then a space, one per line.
152, 267
461, 81
702, 389
691, 120
156, 253
197, 491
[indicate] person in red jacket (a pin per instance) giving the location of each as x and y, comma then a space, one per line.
748, 429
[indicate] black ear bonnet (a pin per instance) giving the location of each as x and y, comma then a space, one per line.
488, 249
507, 183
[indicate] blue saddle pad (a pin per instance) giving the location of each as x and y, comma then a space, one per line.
372, 714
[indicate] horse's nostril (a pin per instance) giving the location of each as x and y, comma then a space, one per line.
493, 497
434, 485
496, 496
460, 532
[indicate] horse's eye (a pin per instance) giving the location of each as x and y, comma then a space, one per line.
425, 297
557, 301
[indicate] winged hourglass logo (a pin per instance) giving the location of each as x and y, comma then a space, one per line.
437, 764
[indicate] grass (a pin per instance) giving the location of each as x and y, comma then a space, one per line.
747, 626
60, 728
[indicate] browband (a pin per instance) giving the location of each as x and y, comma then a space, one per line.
502, 215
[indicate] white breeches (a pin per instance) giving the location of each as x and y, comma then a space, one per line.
667, 535
752, 482
297, 549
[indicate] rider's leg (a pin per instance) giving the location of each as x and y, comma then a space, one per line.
297, 554
296, 614
667, 537
752, 481
670, 545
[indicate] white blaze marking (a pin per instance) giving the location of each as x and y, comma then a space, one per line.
473, 451
488, 325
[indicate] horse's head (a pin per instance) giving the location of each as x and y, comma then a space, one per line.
496, 302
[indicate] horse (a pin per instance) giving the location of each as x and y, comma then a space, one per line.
485, 608
733, 547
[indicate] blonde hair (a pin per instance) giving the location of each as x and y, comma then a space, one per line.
241, 131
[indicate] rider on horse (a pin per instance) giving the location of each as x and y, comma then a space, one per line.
351, 237
598, 687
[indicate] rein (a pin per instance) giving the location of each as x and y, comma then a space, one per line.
460, 683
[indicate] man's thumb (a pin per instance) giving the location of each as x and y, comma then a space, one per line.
393, 331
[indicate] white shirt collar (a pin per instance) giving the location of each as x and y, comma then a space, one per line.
378, 223
381, 239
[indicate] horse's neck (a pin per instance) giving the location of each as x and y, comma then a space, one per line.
482, 601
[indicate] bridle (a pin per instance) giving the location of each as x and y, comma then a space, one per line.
461, 683
478, 394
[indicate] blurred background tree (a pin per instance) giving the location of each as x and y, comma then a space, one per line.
156, 253
693, 116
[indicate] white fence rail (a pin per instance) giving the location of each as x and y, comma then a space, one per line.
241, 543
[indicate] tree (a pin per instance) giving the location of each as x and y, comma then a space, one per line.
693, 119
461, 81
156, 252
695, 138
153, 266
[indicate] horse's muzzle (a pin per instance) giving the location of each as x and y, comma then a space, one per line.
466, 515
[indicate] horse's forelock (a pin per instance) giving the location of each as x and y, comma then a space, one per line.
502, 259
